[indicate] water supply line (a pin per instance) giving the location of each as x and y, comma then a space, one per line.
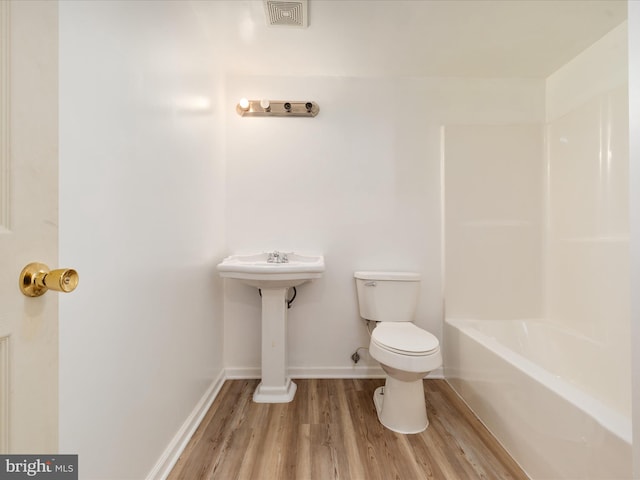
290, 301
356, 356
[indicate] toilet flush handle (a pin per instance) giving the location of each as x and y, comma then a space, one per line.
369, 284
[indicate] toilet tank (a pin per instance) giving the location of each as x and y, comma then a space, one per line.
388, 296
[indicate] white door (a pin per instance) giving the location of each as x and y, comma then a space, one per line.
28, 224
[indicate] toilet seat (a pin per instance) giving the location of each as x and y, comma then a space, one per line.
404, 338
406, 347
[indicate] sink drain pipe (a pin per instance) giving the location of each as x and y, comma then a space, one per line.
289, 302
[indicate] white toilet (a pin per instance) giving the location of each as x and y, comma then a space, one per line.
405, 351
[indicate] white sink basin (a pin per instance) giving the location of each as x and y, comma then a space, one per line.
256, 271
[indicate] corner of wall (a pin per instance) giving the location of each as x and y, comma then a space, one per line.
563, 93
178, 443
634, 201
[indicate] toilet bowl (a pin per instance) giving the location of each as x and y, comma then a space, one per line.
406, 352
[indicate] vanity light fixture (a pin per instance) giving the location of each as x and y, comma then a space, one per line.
276, 108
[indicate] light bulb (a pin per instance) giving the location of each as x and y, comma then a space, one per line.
244, 104
265, 104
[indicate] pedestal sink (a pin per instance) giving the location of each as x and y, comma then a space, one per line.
274, 274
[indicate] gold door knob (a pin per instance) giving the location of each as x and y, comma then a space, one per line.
36, 279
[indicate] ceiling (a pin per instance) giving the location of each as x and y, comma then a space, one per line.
457, 38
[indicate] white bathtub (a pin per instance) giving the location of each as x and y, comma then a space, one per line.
536, 403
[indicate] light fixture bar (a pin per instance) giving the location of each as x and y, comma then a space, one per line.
276, 108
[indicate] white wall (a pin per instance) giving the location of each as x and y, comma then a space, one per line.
142, 220
359, 183
634, 202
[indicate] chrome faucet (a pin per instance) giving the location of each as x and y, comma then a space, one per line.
277, 257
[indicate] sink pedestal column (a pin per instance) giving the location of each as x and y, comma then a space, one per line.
276, 386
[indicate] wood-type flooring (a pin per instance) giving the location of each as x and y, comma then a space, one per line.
331, 431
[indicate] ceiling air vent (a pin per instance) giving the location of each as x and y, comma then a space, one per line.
287, 14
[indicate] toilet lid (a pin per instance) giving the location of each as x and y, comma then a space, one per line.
404, 338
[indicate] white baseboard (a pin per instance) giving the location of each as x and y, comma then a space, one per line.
166, 462
239, 373
364, 371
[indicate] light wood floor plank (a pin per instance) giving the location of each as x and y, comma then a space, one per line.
350, 439
331, 431
303, 459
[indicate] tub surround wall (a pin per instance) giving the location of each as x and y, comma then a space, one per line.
576, 199
361, 189
142, 220
578, 82
587, 235
493, 221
